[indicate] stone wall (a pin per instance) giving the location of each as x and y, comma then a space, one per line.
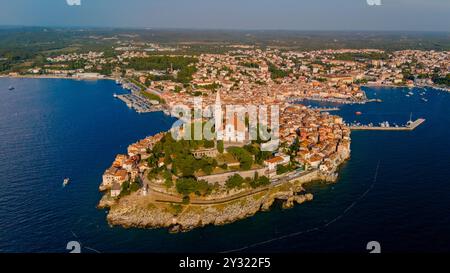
223, 177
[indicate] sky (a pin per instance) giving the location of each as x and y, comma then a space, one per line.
345, 15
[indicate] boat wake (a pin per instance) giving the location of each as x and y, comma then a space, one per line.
334, 220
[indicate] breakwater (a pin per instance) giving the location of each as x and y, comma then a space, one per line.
409, 127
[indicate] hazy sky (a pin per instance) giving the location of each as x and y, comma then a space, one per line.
412, 15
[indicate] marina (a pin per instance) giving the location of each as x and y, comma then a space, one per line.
326, 109
139, 103
332, 100
136, 100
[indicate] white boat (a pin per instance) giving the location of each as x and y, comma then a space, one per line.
115, 95
424, 99
66, 181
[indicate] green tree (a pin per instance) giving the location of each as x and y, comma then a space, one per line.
186, 200
260, 182
220, 146
187, 186
244, 157
235, 181
282, 169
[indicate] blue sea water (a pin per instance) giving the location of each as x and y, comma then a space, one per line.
51, 128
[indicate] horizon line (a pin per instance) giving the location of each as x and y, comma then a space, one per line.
219, 29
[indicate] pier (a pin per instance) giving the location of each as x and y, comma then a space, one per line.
332, 100
326, 109
409, 127
136, 100
139, 103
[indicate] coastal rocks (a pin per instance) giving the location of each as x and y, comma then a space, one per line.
329, 177
289, 203
285, 196
103, 187
299, 199
134, 216
175, 229
192, 216
267, 204
237, 211
106, 202
144, 212
298, 188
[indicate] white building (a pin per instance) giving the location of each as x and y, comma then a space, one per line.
274, 162
116, 189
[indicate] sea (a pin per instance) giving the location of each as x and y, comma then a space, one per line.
395, 189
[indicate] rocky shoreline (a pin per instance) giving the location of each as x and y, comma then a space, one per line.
152, 204
139, 211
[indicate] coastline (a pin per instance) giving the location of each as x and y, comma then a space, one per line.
137, 211
120, 215
440, 88
328, 202
340, 101
154, 206
330, 100
56, 77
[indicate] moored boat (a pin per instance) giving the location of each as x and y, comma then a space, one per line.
66, 181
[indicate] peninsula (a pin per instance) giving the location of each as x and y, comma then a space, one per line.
183, 184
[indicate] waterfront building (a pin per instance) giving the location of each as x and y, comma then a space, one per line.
273, 163
116, 189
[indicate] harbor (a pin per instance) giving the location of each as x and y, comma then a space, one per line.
138, 103
384, 126
332, 100
135, 100
326, 109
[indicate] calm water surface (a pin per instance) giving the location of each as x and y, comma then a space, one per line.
53, 128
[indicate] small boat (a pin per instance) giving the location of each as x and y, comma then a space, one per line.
115, 95
424, 99
358, 113
66, 181
11, 88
